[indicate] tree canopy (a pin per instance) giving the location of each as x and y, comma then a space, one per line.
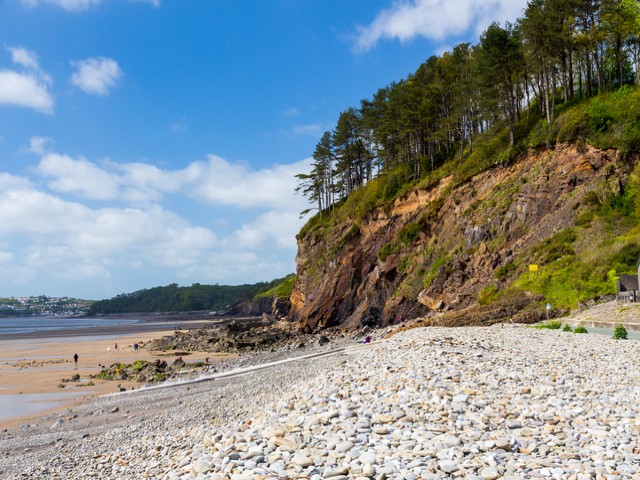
172, 298
559, 51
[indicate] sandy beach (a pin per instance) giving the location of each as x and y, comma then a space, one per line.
34, 367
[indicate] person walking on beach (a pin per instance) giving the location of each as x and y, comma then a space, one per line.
75, 358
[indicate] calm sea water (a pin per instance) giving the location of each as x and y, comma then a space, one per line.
12, 325
633, 334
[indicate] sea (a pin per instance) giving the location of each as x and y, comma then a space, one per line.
18, 325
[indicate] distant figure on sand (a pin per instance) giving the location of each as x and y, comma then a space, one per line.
116, 347
75, 358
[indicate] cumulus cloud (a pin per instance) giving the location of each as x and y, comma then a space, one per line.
23, 57
96, 75
236, 184
276, 226
64, 232
39, 145
125, 226
214, 181
29, 88
78, 176
24, 90
435, 19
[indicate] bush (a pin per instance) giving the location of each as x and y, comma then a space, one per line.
567, 328
139, 365
620, 333
580, 329
409, 233
506, 270
550, 325
599, 117
386, 250
487, 294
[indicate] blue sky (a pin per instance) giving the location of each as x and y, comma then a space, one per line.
147, 142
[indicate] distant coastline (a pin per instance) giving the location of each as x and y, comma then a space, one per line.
43, 327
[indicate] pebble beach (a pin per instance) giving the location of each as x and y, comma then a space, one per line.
506, 401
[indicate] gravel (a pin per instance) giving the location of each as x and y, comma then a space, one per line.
477, 403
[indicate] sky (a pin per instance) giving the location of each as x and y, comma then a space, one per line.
149, 142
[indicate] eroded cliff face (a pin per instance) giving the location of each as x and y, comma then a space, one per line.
435, 249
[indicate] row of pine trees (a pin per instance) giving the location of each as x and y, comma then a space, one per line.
559, 51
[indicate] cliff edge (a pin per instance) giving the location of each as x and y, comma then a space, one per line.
447, 247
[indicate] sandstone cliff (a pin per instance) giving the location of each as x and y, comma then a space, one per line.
436, 249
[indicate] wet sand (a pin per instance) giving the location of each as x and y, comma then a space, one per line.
33, 367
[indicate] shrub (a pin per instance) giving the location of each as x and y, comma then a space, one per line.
386, 250
567, 328
139, 365
487, 294
580, 329
409, 233
550, 325
620, 333
599, 116
505, 270
352, 233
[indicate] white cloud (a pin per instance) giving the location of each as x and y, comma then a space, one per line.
215, 181
96, 75
100, 226
28, 89
39, 145
79, 177
435, 19
236, 184
23, 57
24, 90
63, 232
274, 225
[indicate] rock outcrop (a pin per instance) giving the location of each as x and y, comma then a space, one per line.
435, 249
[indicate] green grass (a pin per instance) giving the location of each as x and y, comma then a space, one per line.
487, 294
282, 290
620, 333
549, 325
